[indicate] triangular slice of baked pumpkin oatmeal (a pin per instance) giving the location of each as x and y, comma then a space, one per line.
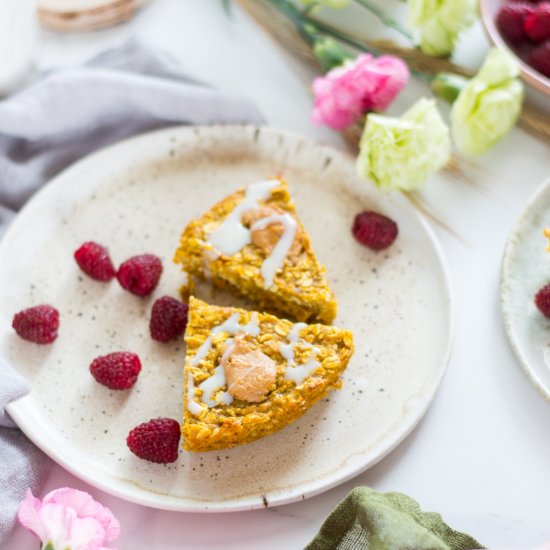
249, 374
253, 243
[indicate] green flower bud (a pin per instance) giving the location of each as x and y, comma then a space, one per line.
439, 22
330, 53
488, 106
401, 153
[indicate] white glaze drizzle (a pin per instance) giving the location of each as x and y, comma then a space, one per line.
252, 327
208, 256
192, 406
217, 379
228, 326
211, 384
293, 372
276, 259
287, 350
230, 346
231, 235
299, 373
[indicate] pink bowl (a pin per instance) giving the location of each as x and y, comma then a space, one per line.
489, 10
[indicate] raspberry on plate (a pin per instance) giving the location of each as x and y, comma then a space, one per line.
374, 230
537, 24
542, 300
540, 59
156, 440
140, 274
117, 371
168, 319
95, 261
37, 324
511, 21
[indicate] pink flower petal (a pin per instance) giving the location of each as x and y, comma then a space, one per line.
80, 501
344, 94
30, 518
85, 506
86, 534
57, 520
70, 519
110, 524
394, 75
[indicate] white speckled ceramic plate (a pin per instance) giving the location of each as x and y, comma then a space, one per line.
525, 269
136, 197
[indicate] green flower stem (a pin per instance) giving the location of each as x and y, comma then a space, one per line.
386, 19
310, 8
447, 86
358, 45
331, 53
313, 31
309, 28
297, 17
339, 35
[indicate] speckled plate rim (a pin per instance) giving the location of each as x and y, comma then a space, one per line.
505, 301
25, 416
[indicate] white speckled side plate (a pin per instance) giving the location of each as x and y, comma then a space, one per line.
136, 197
525, 269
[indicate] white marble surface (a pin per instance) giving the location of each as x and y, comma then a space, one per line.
481, 456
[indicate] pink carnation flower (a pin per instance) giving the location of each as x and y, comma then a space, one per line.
365, 84
67, 518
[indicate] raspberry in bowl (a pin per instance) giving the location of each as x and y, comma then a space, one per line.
523, 28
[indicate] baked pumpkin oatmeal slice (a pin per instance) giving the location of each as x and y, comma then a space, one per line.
249, 374
252, 242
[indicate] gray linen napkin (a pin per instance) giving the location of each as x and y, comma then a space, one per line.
62, 117
22, 465
120, 93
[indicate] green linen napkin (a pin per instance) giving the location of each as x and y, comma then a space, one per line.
369, 520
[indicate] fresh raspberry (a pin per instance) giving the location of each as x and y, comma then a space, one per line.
140, 274
94, 260
118, 370
37, 324
374, 230
540, 59
537, 24
542, 300
168, 319
156, 440
511, 19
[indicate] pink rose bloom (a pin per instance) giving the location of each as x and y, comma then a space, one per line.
365, 84
69, 519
